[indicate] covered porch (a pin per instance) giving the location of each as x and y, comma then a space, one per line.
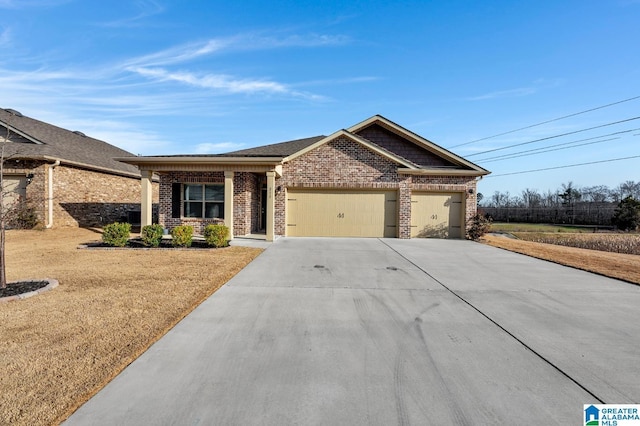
198, 190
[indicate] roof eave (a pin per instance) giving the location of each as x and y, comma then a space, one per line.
443, 172
139, 161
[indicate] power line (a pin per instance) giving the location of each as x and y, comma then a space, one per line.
556, 145
555, 136
564, 167
550, 150
546, 122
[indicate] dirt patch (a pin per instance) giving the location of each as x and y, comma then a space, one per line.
616, 265
59, 348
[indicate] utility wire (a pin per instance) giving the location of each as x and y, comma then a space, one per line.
563, 167
553, 146
555, 136
550, 150
546, 122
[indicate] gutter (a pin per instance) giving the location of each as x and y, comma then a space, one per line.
50, 194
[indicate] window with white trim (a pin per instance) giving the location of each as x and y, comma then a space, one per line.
205, 201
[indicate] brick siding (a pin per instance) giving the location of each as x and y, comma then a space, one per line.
80, 197
343, 163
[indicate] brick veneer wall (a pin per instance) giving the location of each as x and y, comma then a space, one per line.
80, 197
402, 147
88, 198
343, 163
246, 193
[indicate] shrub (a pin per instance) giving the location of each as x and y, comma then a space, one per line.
182, 236
478, 226
22, 216
116, 234
216, 235
151, 235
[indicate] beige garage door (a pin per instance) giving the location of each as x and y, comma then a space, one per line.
341, 213
436, 215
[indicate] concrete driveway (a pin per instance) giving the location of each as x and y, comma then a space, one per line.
381, 332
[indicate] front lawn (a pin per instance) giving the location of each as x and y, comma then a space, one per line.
58, 348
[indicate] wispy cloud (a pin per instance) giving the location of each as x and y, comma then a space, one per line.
216, 148
147, 8
512, 93
242, 42
224, 83
5, 37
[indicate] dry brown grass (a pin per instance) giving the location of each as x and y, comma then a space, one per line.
57, 349
616, 265
605, 241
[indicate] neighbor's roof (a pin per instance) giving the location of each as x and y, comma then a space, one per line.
34, 139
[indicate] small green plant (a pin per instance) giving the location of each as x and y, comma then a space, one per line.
182, 236
216, 235
116, 234
478, 226
151, 235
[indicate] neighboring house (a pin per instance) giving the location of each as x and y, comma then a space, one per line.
69, 178
374, 179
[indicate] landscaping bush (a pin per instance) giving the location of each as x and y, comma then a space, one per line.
216, 235
116, 234
182, 236
478, 226
151, 235
22, 216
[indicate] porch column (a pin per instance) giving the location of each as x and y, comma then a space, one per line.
271, 204
146, 204
228, 202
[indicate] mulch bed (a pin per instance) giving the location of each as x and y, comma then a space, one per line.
21, 287
137, 244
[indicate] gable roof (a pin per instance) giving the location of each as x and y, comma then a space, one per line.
282, 149
276, 154
455, 160
37, 140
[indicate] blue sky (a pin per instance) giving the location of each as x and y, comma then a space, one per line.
168, 77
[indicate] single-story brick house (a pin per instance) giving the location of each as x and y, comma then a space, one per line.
374, 179
69, 178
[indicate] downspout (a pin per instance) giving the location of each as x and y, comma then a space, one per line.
50, 195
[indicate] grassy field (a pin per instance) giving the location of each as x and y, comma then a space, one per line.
57, 349
610, 242
536, 227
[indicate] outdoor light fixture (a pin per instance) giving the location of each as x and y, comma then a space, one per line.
471, 191
29, 178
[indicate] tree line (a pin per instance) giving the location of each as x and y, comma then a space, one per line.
570, 204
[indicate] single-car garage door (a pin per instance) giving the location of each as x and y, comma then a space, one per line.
436, 215
341, 213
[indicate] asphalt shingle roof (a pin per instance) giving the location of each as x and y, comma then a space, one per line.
62, 144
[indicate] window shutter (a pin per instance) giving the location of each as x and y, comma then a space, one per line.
175, 199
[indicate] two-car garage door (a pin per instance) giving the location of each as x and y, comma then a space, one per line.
341, 213
363, 213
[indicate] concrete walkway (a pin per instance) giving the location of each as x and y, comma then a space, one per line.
382, 332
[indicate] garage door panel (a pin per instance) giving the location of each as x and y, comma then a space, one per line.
436, 215
341, 213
